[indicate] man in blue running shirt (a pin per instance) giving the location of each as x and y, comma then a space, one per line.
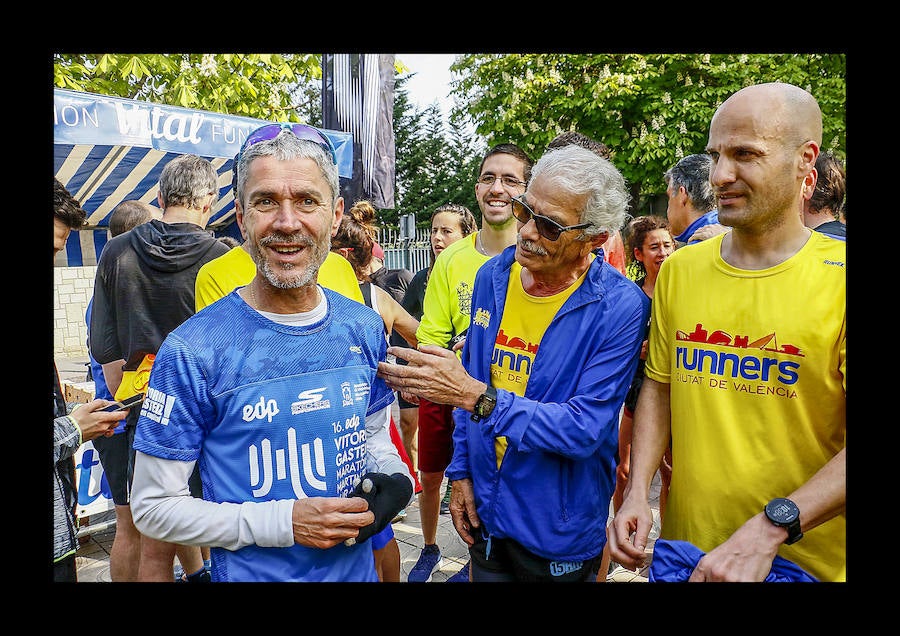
691, 202
272, 391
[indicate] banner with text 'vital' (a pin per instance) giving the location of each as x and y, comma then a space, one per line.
109, 149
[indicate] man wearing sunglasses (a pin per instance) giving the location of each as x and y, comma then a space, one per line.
272, 391
614, 248
503, 174
552, 346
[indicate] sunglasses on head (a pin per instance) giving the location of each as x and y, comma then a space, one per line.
270, 131
546, 227
300, 131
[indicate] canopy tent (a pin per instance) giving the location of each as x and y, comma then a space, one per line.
109, 149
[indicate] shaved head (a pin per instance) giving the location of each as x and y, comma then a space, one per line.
764, 140
777, 111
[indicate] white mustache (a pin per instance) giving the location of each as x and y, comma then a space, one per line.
531, 246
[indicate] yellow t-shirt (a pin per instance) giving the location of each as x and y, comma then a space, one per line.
525, 319
756, 362
220, 276
448, 296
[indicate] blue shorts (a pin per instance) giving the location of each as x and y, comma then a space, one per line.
382, 538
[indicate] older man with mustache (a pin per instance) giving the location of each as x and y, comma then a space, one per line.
553, 342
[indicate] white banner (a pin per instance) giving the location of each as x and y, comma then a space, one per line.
94, 496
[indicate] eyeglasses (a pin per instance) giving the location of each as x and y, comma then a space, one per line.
300, 131
488, 179
546, 227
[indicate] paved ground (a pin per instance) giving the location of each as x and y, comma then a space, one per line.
93, 556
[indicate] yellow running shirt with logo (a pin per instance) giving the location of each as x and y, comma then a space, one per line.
756, 362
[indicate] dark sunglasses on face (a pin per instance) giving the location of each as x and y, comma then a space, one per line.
270, 131
546, 227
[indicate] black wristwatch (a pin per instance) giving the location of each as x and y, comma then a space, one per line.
784, 513
485, 404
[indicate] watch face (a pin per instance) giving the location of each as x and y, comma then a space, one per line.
486, 403
782, 510
484, 406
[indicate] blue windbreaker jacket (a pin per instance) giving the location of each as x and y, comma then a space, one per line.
552, 492
674, 561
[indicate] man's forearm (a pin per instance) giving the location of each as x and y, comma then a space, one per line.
650, 435
112, 373
163, 509
824, 496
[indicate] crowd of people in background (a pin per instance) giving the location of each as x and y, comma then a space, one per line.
553, 358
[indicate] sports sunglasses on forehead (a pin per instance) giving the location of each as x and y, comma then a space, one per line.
546, 227
270, 131
300, 131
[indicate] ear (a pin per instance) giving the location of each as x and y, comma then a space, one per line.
808, 154
597, 240
338, 215
809, 184
208, 206
159, 199
239, 217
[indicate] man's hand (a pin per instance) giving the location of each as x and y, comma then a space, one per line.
709, 231
628, 532
462, 509
746, 556
323, 522
386, 495
433, 373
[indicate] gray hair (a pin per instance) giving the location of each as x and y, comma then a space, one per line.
187, 180
129, 214
284, 148
692, 174
581, 172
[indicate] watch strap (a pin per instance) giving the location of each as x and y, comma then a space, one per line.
485, 404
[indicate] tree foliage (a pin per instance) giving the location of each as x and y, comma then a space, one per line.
433, 166
430, 169
275, 87
650, 110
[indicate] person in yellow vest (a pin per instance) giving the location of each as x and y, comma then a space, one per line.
236, 268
